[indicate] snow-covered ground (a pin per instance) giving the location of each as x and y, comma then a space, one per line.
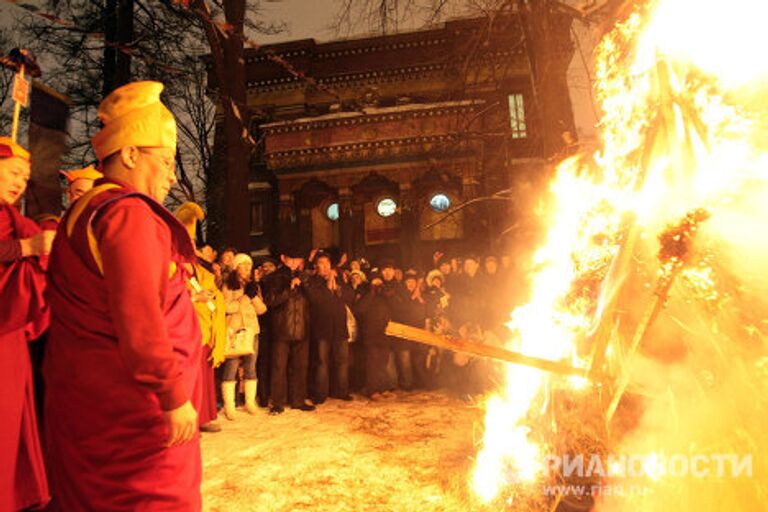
412, 452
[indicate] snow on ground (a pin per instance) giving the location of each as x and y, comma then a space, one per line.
408, 453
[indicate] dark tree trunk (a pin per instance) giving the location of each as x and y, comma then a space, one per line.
109, 64
235, 123
124, 38
231, 184
549, 57
118, 32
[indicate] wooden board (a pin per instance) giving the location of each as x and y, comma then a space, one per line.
407, 332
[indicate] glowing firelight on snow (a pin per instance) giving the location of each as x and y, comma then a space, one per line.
680, 85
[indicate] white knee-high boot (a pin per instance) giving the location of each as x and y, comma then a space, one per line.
250, 397
228, 395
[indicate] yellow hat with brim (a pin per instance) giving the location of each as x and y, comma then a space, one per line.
9, 149
86, 173
133, 115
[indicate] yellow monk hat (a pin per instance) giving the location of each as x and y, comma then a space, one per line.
188, 214
133, 115
8, 148
86, 173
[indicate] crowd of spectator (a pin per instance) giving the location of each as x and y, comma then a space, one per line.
321, 325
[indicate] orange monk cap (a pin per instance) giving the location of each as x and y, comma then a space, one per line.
188, 214
87, 173
8, 148
133, 115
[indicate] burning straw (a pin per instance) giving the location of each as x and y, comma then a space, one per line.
681, 325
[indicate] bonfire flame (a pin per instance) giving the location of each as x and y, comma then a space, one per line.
655, 262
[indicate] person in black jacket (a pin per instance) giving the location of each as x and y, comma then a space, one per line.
372, 311
328, 298
416, 315
284, 293
399, 303
470, 294
264, 358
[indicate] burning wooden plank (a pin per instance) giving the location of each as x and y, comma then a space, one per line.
676, 248
410, 333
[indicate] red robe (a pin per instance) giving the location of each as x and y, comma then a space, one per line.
208, 410
123, 347
23, 316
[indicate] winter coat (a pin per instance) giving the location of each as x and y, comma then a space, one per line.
289, 308
243, 311
437, 301
373, 314
328, 310
397, 299
468, 300
415, 313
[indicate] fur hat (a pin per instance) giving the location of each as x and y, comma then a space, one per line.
435, 274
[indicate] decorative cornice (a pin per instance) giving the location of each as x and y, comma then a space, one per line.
318, 52
283, 55
365, 151
400, 45
382, 75
276, 84
415, 72
351, 79
355, 119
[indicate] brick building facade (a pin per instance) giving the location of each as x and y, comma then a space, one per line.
388, 135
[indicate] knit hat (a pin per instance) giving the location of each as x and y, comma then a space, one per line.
133, 115
241, 258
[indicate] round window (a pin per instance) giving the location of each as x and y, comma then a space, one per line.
440, 202
386, 207
332, 212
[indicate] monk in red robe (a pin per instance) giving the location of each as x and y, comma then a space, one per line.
123, 355
23, 317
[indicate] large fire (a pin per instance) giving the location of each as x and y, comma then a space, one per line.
654, 270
